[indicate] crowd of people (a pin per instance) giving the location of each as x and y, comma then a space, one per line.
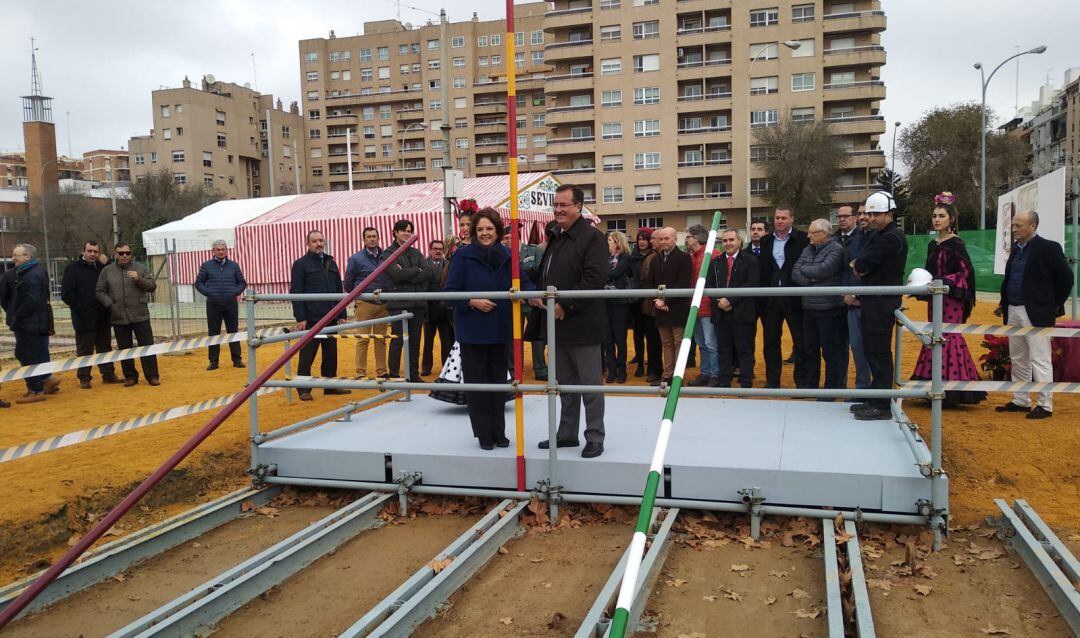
828, 331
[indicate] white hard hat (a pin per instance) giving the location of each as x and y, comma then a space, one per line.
919, 277
880, 202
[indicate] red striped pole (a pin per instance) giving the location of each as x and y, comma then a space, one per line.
515, 240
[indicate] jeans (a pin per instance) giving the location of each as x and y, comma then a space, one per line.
825, 337
126, 336
858, 354
32, 349
229, 314
88, 342
705, 337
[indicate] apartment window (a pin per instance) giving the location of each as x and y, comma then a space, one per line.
647, 193
496, 60
432, 45
139, 160
457, 41
645, 3
482, 61
365, 55
387, 150
609, 4
433, 64
523, 141
317, 171
646, 161
760, 86
538, 57
519, 39
759, 185
481, 41
610, 33
649, 29
314, 114
383, 53
458, 63
537, 37
612, 163
650, 62
333, 56
802, 13
368, 113
208, 180
520, 122
346, 56
611, 131
312, 76
313, 96
765, 51
611, 98
616, 224
385, 112
311, 57
842, 112
459, 83
384, 73
461, 122
166, 134
153, 157
764, 17
761, 152
207, 159
519, 59
539, 141
803, 82
613, 195
438, 145
335, 76
365, 75
803, 114
496, 40
386, 130
316, 153
369, 152
647, 95
180, 178
646, 128
581, 133
346, 75
611, 66
435, 105
462, 142
403, 49
369, 132
805, 50
583, 100
764, 118
313, 134
165, 110
177, 157
461, 103
539, 119
838, 79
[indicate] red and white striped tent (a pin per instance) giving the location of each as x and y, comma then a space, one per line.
267, 245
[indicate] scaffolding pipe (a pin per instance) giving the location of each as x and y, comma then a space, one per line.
515, 241
553, 413
903, 319
939, 498
253, 405
110, 519
345, 410
352, 325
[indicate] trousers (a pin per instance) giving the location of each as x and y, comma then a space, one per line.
126, 336
485, 363
218, 313
89, 342
329, 358
670, 338
858, 353
397, 344
825, 337
31, 349
364, 311
579, 364
1031, 360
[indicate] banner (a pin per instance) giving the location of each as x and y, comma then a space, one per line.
1046, 196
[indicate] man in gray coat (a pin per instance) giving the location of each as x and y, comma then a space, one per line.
124, 288
824, 323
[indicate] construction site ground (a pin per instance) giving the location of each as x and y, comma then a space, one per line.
546, 580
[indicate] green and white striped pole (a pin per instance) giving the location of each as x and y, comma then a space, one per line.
648, 499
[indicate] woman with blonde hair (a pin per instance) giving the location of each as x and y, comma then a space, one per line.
618, 308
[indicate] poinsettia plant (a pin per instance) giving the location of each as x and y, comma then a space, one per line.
996, 359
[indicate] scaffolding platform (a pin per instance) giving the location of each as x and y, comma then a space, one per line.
799, 453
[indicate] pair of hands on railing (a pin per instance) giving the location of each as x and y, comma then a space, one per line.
539, 303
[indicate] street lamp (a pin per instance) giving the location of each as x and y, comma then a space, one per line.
892, 161
793, 45
982, 127
45, 216
401, 144
112, 195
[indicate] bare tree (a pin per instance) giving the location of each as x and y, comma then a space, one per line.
803, 160
158, 200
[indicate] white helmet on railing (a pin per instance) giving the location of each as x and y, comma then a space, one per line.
919, 277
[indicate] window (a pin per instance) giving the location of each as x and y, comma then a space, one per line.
802, 13
523, 141
403, 49
313, 96
432, 45
609, 4
519, 39
803, 114
386, 130
483, 61
761, 152
537, 37
365, 75
647, 95
611, 33
759, 185
646, 161
316, 153
166, 134
647, 193
759, 86
333, 56
461, 103
496, 40
539, 119
462, 142
458, 63
459, 83
539, 141
649, 29
481, 41
369, 132
519, 59
612, 163
457, 41
650, 222
765, 51
335, 76
583, 100
180, 178
805, 50
613, 195
313, 134
610, 66
177, 157
842, 112
433, 64
581, 133
611, 131
365, 55
646, 128
803, 82
317, 171
496, 60
346, 75
764, 118
346, 56
616, 224
764, 17
314, 114
153, 157
650, 62
165, 110
208, 179
384, 73
435, 84
838, 79
611, 98
643, 3
312, 76
537, 57
139, 160
369, 152
384, 53
311, 57
368, 113
385, 112
461, 122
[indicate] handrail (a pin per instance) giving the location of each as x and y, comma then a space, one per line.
30, 593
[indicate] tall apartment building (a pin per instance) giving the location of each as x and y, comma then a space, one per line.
1052, 127
104, 165
385, 87
223, 135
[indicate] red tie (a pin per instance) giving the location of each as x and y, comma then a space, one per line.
730, 259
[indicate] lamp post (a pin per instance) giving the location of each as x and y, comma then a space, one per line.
45, 217
892, 161
982, 127
793, 45
401, 143
112, 195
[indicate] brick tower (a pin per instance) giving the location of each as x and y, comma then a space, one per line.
39, 136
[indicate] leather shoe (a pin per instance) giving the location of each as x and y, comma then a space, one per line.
610, 377
154, 381
700, 382
544, 445
715, 382
130, 382
639, 371
541, 377
592, 450
487, 445
304, 396
620, 377
4, 404
873, 414
1010, 407
503, 442
85, 385
112, 381
238, 364
31, 397
1039, 413
333, 391
52, 385
213, 366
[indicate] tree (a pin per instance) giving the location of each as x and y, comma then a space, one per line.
73, 219
803, 161
158, 200
887, 180
942, 152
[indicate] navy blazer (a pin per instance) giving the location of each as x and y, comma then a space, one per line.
1048, 280
744, 274
470, 271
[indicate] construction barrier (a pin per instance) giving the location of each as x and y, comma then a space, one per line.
997, 331
1000, 386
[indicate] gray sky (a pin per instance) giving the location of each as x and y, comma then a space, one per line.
100, 60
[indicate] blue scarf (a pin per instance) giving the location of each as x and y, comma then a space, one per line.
27, 266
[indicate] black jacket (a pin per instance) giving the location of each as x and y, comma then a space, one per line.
1048, 281
77, 290
577, 259
312, 274
677, 271
411, 272
28, 299
773, 276
884, 257
744, 274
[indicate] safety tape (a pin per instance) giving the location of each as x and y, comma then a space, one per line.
365, 336
128, 353
317, 379
102, 431
1000, 331
1000, 386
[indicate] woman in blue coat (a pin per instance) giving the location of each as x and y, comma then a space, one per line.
483, 327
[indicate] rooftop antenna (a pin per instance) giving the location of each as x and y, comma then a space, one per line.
254, 74
36, 106
68, 114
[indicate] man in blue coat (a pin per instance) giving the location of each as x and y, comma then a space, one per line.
221, 281
26, 300
316, 272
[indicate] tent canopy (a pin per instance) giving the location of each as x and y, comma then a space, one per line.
217, 221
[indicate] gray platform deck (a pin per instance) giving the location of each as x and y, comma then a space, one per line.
803, 453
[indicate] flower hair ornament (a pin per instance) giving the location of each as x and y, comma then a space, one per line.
467, 206
944, 197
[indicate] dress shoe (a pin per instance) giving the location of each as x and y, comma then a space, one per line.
425, 373
700, 382
333, 391
417, 379
620, 377
542, 377
130, 382
1039, 413
735, 372
715, 382
544, 445
610, 377
112, 381
154, 381
52, 385
4, 404
790, 360
503, 442
31, 397
304, 396
592, 450
639, 371
238, 364
863, 407
487, 445
653, 379
636, 359
213, 366
1010, 407
873, 414
85, 385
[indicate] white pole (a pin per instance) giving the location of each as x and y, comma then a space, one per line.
348, 152
270, 150
296, 166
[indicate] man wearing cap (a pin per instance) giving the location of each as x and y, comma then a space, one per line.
881, 263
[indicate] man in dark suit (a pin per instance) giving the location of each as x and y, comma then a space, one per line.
1037, 283
671, 268
316, 272
779, 252
734, 318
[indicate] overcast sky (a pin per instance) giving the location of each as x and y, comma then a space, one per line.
100, 60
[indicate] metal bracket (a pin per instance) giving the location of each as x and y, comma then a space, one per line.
937, 290
548, 492
925, 469
378, 294
405, 483
858, 516
260, 472
660, 292
936, 395
753, 499
922, 506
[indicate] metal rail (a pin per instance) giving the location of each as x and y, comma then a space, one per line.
864, 620
834, 602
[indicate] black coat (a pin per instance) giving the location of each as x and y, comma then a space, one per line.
28, 299
884, 257
310, 274
77, 290
577, 259
1048, 281
677, 271
411, 272
744, 274
773, 276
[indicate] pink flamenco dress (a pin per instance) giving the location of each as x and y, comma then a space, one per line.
949, 261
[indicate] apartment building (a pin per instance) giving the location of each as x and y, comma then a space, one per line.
226, 136
104, 165
1052, 127
385, 87
13, 172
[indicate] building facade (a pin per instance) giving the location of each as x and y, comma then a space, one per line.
648, 105
103, 165
224, 136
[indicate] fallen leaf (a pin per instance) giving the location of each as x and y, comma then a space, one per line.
267, 511
924, 589
879, 583
778, 574
678, 582
439, 565
740, 568
798, 593
536, 560
547, 585
996, 631
770, 600
503, 551
711, 599
732, 595
958, 560
557, 620
813, 612
696, 634
990, 554
506, 621
1075, 537
119, 578
247, 506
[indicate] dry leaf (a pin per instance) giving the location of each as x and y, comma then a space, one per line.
740, 568
439, 565
996, 631
536, 560
247, 506
924, 589
798, 593
503, 551
506, 621
267, 511
879, 583
1075, 538
678, 582
119, 578
770, 600
958, 560
557, 620
711, 599
731, 595
813, 612
696, 634
990, 554
778, 574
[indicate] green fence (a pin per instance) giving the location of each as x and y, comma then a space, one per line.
980, 245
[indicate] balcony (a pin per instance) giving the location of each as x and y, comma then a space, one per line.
714, 194
570, 114
570, 145
492, 146
696, 130
845, 91
705, 167
485, 87
412, 151
377, 98
495, 107
570, 50
860, 124
863, 159
343, 118
574, 171
490, 127
565, 82
854, 56
493, 168
409, 115
873, 21
567, 18
687, 103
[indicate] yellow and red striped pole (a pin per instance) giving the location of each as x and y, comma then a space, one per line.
515, 240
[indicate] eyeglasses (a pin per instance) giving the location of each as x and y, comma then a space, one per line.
123, 252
